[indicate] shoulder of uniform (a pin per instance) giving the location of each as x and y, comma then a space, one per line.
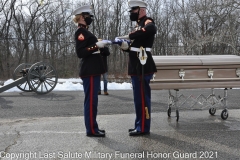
148, 20
81, 34
82, 30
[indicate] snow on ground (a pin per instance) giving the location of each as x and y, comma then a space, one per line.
75, 84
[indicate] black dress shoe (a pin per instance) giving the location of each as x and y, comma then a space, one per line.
101, 130
138, 133
97, 134
130, 130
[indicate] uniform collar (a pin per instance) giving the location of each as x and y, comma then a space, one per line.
139, 20
82, 26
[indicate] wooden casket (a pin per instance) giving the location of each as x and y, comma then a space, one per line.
189, 72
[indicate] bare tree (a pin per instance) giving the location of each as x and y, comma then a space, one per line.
32, 31
7, 11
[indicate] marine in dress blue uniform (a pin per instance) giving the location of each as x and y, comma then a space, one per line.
89, 50
141, 66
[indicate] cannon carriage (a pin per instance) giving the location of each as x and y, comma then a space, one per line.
40, 78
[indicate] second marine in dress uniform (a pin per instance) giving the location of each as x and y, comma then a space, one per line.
141, 66
88, 49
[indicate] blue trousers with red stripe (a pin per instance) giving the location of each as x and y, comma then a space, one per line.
91, 87
142, 124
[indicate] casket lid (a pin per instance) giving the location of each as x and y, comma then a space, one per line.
196, 60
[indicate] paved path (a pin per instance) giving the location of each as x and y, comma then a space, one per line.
197, 135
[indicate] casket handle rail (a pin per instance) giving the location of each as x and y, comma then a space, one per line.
210, 73
153, 78
238, 72
181, 74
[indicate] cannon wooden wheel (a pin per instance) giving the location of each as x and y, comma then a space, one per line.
19, 72
42, 77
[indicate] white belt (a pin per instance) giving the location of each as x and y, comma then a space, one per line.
138, 49
97, 52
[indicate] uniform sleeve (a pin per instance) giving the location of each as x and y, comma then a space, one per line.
104, 51
83, 49
148, 29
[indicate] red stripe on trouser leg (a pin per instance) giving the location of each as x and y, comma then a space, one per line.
143, 107
91, 104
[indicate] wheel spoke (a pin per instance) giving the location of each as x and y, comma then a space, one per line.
25, 86
38, 86
49, 84
35, 75
46, 70
35, 80
49, 72
41, 87
34, 83
45, 86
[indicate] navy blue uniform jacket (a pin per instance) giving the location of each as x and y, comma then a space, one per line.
143, 37
91, 64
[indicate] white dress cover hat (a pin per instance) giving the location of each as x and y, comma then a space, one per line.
134, 4
85, 8
137, 3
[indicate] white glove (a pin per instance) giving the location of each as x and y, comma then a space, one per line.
123, 37
97, 52
101, 44
124, 45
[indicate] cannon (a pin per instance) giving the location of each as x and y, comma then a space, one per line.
40, 78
